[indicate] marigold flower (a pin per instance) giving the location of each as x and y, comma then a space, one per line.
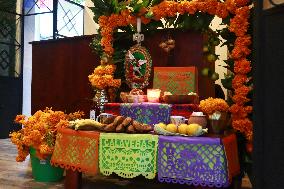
20, 119
239, 111
242, 66
241, 3
221, 10
240, 99
239, 80
239, 24
244, 126
210, 105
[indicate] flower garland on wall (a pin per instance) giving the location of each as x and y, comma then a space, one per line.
126, 13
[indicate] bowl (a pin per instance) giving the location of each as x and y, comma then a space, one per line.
181, 99
136, 98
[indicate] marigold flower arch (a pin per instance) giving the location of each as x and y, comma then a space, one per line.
238, 25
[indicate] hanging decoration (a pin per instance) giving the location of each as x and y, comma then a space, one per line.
138, 62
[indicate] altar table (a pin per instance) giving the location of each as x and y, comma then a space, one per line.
200, 161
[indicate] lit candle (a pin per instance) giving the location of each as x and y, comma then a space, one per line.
138, 24
153, 95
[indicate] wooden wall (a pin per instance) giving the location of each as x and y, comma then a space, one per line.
60, 74
61, 68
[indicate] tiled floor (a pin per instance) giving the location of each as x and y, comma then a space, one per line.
15, 175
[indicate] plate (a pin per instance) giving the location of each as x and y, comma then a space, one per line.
181, 99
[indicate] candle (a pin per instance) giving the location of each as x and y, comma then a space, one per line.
138, 24
153, 95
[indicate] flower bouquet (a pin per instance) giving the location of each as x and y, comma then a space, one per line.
39, 132
102, 79
216, 109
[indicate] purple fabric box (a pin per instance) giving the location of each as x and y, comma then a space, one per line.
149, 113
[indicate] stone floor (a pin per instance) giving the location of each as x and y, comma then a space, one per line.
15, 175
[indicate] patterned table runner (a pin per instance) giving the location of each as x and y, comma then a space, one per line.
128, 155
77, 150
193, 160
176, 109
149, 113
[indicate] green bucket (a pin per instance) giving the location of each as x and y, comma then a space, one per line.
43, 171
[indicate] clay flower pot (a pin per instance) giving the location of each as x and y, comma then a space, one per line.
201, 120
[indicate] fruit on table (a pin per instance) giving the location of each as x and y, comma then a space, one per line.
171, 128
194, 129
162, 125
182, 128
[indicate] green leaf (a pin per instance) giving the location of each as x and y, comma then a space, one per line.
155, 2
227, 81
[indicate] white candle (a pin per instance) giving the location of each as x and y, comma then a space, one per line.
153, 95
138, 24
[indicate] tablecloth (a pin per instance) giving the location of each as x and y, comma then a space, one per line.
128, 155
76, 150
197, 160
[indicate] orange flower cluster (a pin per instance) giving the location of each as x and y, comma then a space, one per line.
242, 66
210, 105
240, 112
102, 77
241, 3
165, 9
109, 23
241, 48
239, 26
245, 126
39, 132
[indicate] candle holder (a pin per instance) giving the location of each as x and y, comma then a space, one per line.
153, 95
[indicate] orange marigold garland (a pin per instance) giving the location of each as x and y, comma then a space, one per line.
239, 25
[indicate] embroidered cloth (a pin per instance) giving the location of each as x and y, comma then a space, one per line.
128, 155
149, 113
76, 150
194, 160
